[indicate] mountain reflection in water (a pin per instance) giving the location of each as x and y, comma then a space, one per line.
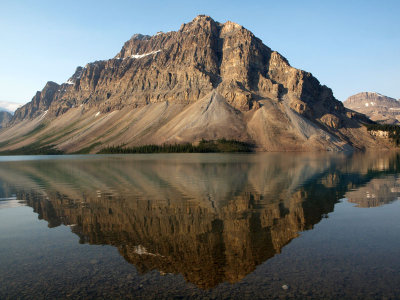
212, 218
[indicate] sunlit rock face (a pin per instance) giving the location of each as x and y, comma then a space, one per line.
206, 80
213, 219
186, 65
377, 107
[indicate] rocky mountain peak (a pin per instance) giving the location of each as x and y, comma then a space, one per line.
39, 103
365, 96
199, 21
203, 18
140, 37
230, 26
50, 85
183, 70
378, 107
76, 76
186, 65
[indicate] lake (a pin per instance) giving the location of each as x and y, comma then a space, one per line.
216, 226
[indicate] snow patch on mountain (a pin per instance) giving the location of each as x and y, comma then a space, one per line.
145, 54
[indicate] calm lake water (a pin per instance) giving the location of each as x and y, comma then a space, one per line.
243, 226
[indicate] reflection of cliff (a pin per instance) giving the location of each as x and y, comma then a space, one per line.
368, 180
376, 193
211, 218
208, 246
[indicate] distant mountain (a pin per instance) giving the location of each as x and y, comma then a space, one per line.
9, 106
6, 112
5, 118
207, 80
377, 107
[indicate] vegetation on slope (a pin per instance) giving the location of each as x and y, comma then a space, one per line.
33, 150
221, 145
35, 130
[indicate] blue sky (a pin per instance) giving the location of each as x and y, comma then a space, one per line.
350, 46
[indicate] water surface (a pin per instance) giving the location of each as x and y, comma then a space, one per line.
200, 225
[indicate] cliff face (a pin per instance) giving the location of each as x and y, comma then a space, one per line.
155, 82
377, 107
185, 66
39, 103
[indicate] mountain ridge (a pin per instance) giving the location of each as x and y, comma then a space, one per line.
154, 82
5, 118
378, 107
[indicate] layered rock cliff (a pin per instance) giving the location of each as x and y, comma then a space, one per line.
377, 107
158, 89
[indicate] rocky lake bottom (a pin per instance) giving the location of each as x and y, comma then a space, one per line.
206, 226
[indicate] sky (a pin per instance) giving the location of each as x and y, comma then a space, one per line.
350, 46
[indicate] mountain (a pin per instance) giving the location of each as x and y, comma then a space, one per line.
207, 80
377, 107
9, 106
5, 118
6, 111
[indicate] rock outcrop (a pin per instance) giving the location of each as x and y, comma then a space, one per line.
40, 103
377, 107
156, 82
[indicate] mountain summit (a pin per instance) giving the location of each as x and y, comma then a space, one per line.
377, 107
207, 80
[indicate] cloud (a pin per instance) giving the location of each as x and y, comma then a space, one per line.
9, 106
